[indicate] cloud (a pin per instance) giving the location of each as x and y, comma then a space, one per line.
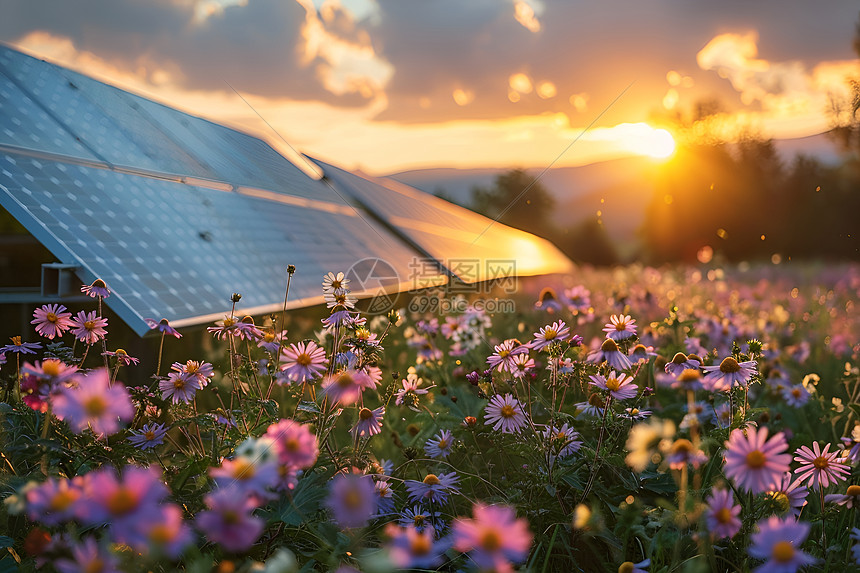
777, 93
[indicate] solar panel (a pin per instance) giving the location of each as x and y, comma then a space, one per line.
172, 250
24, 124
176, 212
471, 246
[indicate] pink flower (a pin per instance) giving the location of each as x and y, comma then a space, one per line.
619, 386
54, 501
192, 369
51, 320
295, 445
503, 358
555, 332
303, 362
495, 539
88, 327
620, 327
345, 387
94, 404
88, 556
819, 467
755, 463
722, 515
410, 548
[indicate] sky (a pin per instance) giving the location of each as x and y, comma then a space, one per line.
391, 85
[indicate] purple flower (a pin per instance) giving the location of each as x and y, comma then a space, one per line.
433, 488
440, 445
88, 556
369, 422
729, 373
122, 357
149, 436
54, 501
609, 353
250, 477
162, 326
722, 515
352, 500
411, 548
96, 290
229, 520
755, 463
127, 504
88, 327
503, 357
789, 496
179, 387
564, 441
505, 413
200, 371
778, 541
94, 404
20, 347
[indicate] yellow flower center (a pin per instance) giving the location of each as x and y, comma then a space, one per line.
723, 515
160, 534
490, 540
689, 375
821, 463
16, 340
228, 322
230, 517
507, 411
442, 444
418, 520
504, 353
97, 565
51, 317
192, 366
95, 406
352, 499
365, 414
431, 479
853, 490
420, 545
781, 501
62, 500
122, 501
303, 359
149, 435
613, 384
755, 459
51, 367
549, 334
121, 352
626, 567
90, 324
292, 445
242, 470
783, 551
729, 366
596, 400
269, 336
344, 380
179, 383
682, 446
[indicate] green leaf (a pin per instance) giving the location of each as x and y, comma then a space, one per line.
305, 501
310, 407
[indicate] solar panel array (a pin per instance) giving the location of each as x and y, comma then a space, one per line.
175, 212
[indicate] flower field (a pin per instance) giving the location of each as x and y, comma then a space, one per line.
633, 419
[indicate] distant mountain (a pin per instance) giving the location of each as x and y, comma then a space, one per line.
619, 189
